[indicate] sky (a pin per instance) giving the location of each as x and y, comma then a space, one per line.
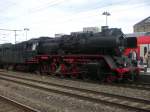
49, 17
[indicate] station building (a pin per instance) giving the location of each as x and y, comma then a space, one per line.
143, 25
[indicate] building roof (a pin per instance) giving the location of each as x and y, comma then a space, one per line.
146, 20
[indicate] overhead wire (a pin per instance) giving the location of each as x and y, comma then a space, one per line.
48, 5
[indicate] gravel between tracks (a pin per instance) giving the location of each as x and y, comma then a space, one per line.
51, 102
135, 93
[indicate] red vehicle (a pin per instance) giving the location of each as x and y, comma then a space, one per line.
143, 46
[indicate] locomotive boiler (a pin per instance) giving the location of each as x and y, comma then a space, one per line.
78, 55
104, 42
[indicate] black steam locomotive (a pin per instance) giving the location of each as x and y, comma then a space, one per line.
85, 55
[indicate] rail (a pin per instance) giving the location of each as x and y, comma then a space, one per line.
83, 94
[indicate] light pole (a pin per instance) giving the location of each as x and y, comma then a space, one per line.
106, 14
12, 30
26, 30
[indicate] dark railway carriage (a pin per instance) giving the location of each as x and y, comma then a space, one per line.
85, 55
5, 53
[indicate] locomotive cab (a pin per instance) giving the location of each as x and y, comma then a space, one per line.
30, 50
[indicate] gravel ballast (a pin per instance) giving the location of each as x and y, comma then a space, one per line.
52, 102
129, 92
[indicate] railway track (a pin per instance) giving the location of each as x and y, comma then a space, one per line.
132, 85
9, 105
138, 85
83, 94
